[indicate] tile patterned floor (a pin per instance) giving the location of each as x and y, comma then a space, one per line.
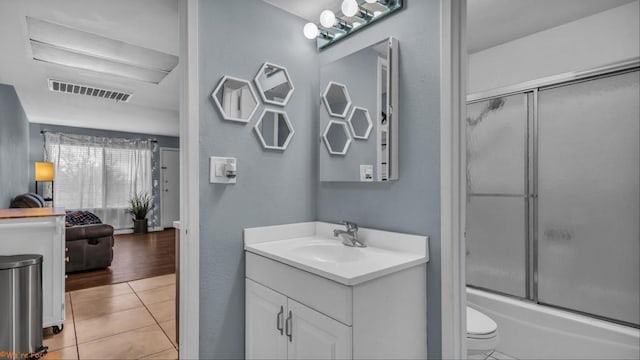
134, 320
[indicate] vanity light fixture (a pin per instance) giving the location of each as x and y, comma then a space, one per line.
350, 7
327, 18
353, 16
311, 31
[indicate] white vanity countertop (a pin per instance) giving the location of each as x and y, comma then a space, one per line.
313, 248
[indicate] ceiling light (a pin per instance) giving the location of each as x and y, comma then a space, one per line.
310, 31
371, 1
350, 7
327, 18
59, 56
63, 45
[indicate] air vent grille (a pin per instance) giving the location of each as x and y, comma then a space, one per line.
78, 89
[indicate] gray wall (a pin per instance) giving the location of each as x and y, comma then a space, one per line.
14, 146
412, 204
359, 72
36, 153
273, 187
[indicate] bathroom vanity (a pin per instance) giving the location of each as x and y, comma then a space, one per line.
308, 296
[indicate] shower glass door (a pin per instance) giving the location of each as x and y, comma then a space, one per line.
497, 194
588, 197
553, 195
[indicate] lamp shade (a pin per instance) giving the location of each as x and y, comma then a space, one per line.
43, 171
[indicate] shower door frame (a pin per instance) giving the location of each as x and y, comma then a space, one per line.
530, 91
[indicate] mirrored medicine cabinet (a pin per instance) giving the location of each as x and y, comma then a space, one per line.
359, 115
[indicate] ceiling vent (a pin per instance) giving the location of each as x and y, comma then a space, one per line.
78, 89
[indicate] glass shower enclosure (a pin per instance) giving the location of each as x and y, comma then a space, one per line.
553, 195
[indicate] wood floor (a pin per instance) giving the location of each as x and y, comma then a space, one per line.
135, 256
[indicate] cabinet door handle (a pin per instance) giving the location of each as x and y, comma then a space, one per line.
279, 320
289, 326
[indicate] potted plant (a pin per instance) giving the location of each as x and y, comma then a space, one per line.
140, 207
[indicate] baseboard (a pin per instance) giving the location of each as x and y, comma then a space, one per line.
130, 231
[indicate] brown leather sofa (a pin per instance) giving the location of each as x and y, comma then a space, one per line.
87, 246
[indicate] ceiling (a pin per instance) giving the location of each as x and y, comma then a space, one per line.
494, 22
309, 10
153, 24
489, 22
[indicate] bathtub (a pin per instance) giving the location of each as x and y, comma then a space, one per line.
532, 331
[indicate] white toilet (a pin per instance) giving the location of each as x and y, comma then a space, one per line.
482, 333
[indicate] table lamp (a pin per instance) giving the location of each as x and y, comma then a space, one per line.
44, 173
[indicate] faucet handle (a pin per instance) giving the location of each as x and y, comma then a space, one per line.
351, 226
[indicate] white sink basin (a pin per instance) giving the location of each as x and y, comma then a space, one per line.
313, 248
329, 253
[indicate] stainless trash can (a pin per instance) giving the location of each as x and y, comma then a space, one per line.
21, 306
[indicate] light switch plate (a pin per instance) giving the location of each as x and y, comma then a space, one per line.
366, 172
217, 173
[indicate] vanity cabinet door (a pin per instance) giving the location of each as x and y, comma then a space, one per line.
312, 335
265, 312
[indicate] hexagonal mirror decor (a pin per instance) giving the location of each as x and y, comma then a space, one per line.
274, 84
337, 100
337, 138
235, 99
274, 129
360, 123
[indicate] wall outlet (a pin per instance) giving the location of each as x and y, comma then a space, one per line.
222, 170
366, 172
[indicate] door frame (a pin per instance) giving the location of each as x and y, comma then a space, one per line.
189, 292
453, 89
162, 181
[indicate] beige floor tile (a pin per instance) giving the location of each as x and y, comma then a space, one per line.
112, 324
98, 307
169, 328
68, 313
68, 353
134, 344
157, 295
163, 311
100, 292
154, 282
62, 340
171, 354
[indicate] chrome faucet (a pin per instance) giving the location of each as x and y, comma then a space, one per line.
349, 236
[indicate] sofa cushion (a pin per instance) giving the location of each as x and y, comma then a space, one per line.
79, 217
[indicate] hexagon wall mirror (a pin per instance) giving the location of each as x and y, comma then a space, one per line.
336, 98
235, 99
274, 129
337, 138
360, 123
274, 84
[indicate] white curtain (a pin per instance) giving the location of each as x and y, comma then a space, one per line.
99, 174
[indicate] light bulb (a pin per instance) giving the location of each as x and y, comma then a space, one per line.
310, 31
350, 7
327, 18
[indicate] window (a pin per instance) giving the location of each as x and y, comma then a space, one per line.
99, 174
